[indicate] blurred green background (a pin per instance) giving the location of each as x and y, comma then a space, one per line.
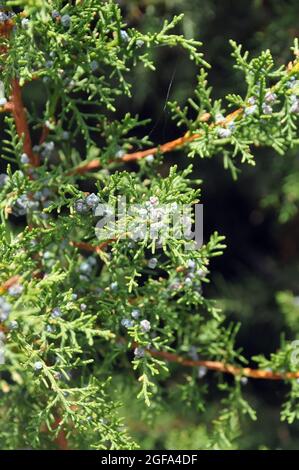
258, 213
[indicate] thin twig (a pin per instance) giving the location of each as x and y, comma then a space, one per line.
92, 248
225, 368
20, 118
10, 282
16, 105
161, 149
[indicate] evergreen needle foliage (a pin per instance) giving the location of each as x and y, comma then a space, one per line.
87, 324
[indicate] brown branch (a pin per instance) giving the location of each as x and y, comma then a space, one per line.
5, 30
61, 439
10, 282
16, 106
164, 148
93, 248
225, 368
20, 118
44, 134
8, 107
292, 67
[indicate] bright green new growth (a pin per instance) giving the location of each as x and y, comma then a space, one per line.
72, 346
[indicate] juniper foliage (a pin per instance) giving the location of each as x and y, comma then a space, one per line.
83, 320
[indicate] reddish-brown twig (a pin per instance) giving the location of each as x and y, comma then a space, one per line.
161, 149
44, 134
10, 282
92, 248
15, 105
20, 118
61, 439
225, 368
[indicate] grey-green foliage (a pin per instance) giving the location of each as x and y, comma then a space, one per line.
67, 321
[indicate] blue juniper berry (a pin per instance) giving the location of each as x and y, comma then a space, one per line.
3, 17
56, 312
145, 326
250, 110
223, 132
24, 159
114, 285
55, 14
38, 365
270, 97
13, 325
139, 352
66, 21
124, 35
135, 313
92, 200
94, 65
15, 290
127, 323
202, 370
81, 206
152, 263
267, 109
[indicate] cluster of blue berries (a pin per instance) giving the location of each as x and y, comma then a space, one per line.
89, 203
86, 268
6, 16
45, 150
269, 100
127, 322
26, 204
193, 275
23, 205
65, 20
145, 325
192, 278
